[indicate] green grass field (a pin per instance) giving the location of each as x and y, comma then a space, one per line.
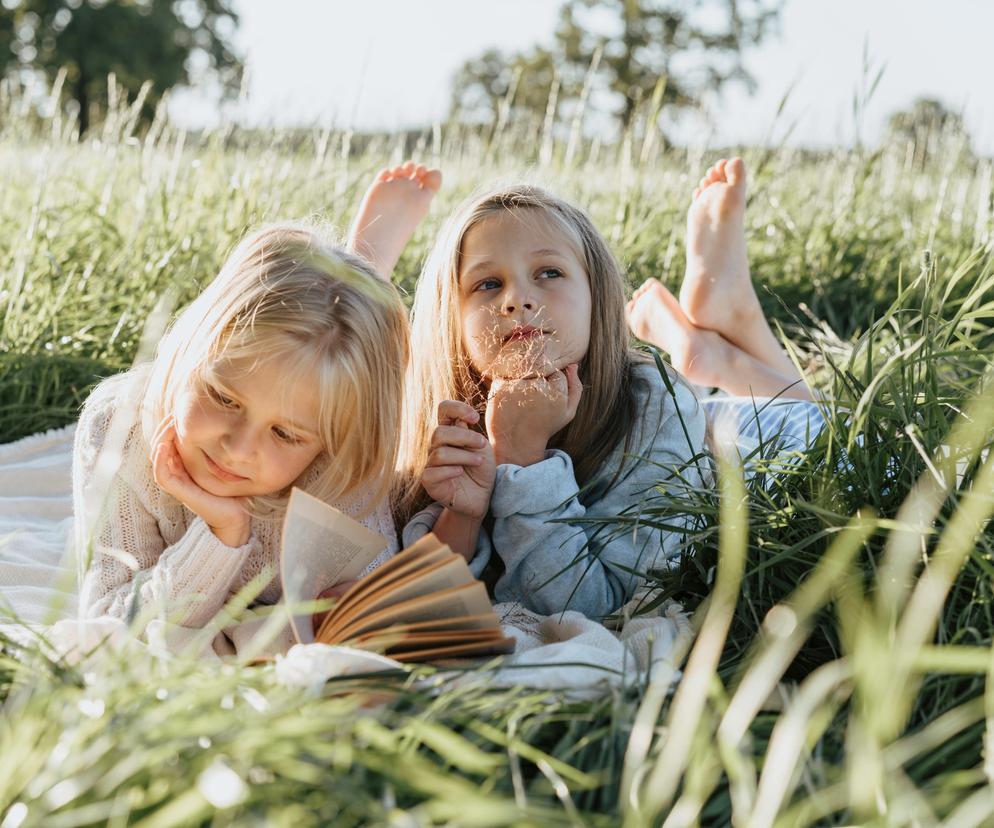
854, 589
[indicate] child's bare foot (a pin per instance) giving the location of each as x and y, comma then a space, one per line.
717, 292
655, 316
391, 210
704, 357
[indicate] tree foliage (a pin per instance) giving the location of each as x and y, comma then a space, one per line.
692, 47
925, 117
167, 42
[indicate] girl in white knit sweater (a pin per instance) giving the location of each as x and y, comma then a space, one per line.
287, 370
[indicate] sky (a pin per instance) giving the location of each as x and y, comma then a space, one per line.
388, 64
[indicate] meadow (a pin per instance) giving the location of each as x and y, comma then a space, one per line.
841, 672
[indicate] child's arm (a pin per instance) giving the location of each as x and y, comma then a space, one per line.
552, 560
118, 513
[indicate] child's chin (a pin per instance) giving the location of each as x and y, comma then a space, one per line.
522, 365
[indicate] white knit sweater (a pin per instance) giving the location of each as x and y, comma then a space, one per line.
147, 547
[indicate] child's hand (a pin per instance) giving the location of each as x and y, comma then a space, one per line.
523, 415
336, 592
226, 516
460, 472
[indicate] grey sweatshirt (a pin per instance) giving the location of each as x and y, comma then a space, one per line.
553, 561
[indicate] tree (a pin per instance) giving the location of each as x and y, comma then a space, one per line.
483, 83
693, 46
927, 116
167, 42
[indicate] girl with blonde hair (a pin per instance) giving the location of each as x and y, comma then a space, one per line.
286, 371
527, 412
531, 423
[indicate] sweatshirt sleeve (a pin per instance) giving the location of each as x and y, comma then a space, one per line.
117, 511
555, 558
424, 522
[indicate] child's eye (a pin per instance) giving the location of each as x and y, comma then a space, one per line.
550, 273
219, 398
286, 436
488, 284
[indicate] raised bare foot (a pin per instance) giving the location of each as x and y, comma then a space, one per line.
655, 316
704, 357
393, 207
717, 292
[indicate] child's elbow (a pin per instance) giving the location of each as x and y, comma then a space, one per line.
593, 597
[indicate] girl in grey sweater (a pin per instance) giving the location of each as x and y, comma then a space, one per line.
529, 416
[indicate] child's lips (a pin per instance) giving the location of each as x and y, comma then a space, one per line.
221, 472
525, 332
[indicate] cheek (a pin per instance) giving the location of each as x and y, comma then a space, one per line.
194, 421
187, 415
584, 309
285, 466
479, 338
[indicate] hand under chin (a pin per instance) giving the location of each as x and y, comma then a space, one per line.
513, 365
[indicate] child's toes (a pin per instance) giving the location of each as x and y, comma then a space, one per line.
735, 171
407, 169
645, 287
432, 180
384, 175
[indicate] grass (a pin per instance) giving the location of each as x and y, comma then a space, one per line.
840, 674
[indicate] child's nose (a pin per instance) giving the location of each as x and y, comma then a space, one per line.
517, 299
511, 308
239, 443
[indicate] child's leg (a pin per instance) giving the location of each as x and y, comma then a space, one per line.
704, 357
392, 208
717, 292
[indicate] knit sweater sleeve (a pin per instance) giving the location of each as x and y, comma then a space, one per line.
121, 515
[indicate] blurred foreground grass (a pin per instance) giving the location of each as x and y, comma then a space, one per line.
842, 672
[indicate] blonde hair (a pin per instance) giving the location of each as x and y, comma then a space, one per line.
285, 292
440, 369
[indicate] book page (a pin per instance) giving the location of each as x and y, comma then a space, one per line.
467, 599
447, 573
396, 639
461, 623
441, 576
384, 577
498, 646
321, 547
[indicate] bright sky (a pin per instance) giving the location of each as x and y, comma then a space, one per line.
388, 63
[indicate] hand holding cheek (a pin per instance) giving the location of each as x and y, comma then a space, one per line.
226, 516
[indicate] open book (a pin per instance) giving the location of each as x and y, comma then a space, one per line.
421, 604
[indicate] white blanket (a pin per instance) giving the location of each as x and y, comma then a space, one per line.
38, 586
37, 577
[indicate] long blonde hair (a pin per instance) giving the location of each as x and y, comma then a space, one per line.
441, 370
287, 293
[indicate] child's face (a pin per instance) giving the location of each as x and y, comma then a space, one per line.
524, 296
246, 430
